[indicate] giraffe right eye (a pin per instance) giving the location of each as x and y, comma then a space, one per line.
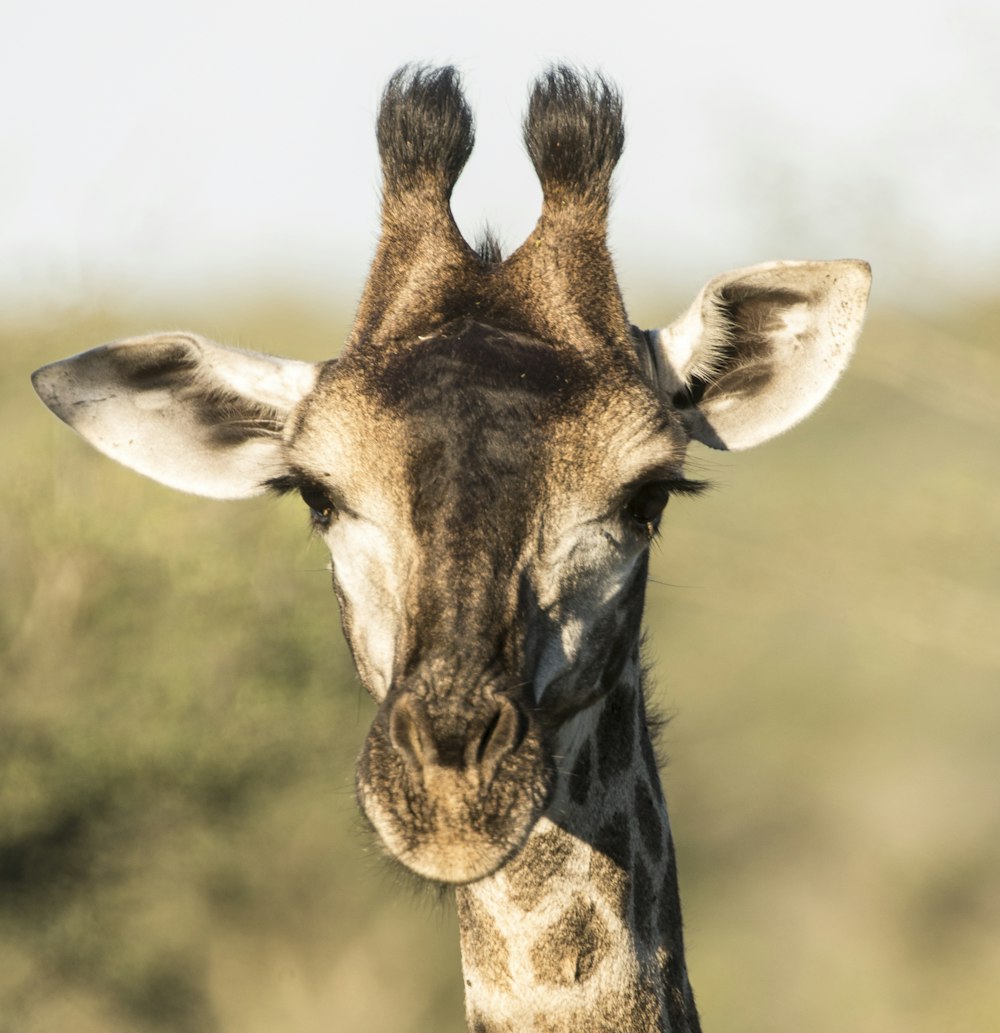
646, 505
319, 503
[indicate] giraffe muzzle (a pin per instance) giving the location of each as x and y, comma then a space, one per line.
443, 781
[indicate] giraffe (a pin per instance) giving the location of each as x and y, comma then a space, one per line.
488, 461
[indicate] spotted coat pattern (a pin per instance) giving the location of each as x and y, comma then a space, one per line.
581, 931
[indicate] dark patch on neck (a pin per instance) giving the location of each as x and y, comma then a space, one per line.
615, 736
650, 821
579, 781
542, 859
482, 943
680, 998
569, 952
643, 903
614, 840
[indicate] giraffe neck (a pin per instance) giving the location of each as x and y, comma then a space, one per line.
582, 931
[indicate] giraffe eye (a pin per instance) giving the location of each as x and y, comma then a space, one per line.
646, 505
319, 503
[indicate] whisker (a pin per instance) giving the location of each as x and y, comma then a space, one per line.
669, 584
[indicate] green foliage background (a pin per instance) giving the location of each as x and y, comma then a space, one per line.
179, 845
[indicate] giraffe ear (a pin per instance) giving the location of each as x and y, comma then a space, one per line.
181, 409
760, 348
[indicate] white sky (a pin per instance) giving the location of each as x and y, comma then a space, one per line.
152, 150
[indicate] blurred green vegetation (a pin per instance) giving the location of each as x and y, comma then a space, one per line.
179, 843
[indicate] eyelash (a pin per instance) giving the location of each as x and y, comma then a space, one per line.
643, 509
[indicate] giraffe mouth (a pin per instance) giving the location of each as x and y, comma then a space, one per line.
453, 800
450, 843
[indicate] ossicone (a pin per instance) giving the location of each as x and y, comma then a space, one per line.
424, 130
574, 132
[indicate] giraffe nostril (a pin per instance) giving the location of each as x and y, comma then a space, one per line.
410, 733
487, 736
471, 745
502, 735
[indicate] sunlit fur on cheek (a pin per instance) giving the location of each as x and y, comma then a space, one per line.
367, 573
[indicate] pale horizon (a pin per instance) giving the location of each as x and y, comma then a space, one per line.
152, 153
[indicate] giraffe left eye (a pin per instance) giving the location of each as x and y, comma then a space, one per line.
646, 506
319, 503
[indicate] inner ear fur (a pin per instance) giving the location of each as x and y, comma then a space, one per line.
181, 409
760, 348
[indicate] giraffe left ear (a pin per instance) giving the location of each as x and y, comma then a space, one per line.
181, 409
760, 348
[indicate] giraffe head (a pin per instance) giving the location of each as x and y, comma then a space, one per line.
489, 458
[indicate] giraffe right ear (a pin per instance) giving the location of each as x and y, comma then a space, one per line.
181, 409
760, 348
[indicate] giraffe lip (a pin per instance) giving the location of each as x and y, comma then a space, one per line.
459, 861
449, 837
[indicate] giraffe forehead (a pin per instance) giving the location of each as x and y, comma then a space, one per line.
477, 417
